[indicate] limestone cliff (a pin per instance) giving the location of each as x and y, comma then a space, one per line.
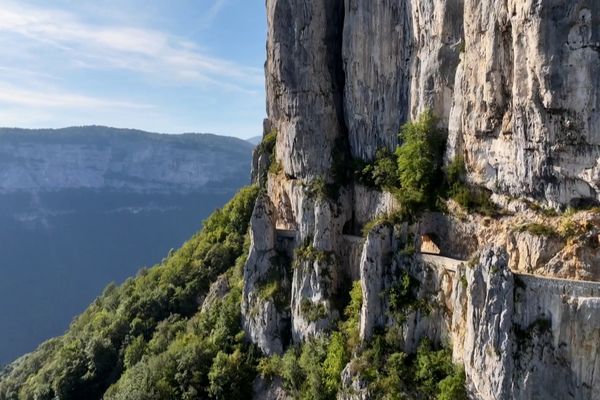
514, 85
103, 158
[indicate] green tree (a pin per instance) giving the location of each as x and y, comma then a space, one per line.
135, 351
230, 376
106, 345
419, 162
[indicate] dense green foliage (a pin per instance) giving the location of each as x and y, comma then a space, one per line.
313, 370
382, 173
147, 337
414, 173
392, 374
420, 162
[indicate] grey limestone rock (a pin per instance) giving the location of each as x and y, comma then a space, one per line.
265, 321
514, 84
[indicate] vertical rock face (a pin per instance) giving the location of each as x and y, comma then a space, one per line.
556, 339
266, 324
514, 85
375, 266
518, 336
488, 341
526, 99
437, 40
377, 52
305, 82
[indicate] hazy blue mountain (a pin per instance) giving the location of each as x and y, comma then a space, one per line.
81, 207
254, 140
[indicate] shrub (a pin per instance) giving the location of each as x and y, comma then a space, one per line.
432, 367
267, 145
456, 172
382, 173
408, 250
275, 285
318, 187
538, 229
268, 289
308, 254
270, 367
335, 361
384, 219
350, 327
311, 311
309, 371
134, 352
569, 228
419, 162
392, 383
314, 352
471, 198
292, 373
402, 296
452, 387
230, 376
385, 171
275, 168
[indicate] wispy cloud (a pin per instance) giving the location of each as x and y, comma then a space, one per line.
70, 63
213, 12
49, 98
157, 54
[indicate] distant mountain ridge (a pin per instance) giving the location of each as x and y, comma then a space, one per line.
81, 207
98, 157
254, 140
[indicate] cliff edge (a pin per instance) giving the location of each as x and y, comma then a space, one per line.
513, 88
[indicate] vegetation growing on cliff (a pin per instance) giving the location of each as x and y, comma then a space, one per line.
538, 229
413, 173
471, 198
147, 337
382, 173
420, 162
275, 285
266, 148
150, 339
314, 369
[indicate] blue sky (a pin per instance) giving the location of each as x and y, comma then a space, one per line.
160, 65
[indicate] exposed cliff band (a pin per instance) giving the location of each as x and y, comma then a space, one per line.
514, 87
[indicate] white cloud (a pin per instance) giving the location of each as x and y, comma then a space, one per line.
58, 69
157, 54
48, 98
